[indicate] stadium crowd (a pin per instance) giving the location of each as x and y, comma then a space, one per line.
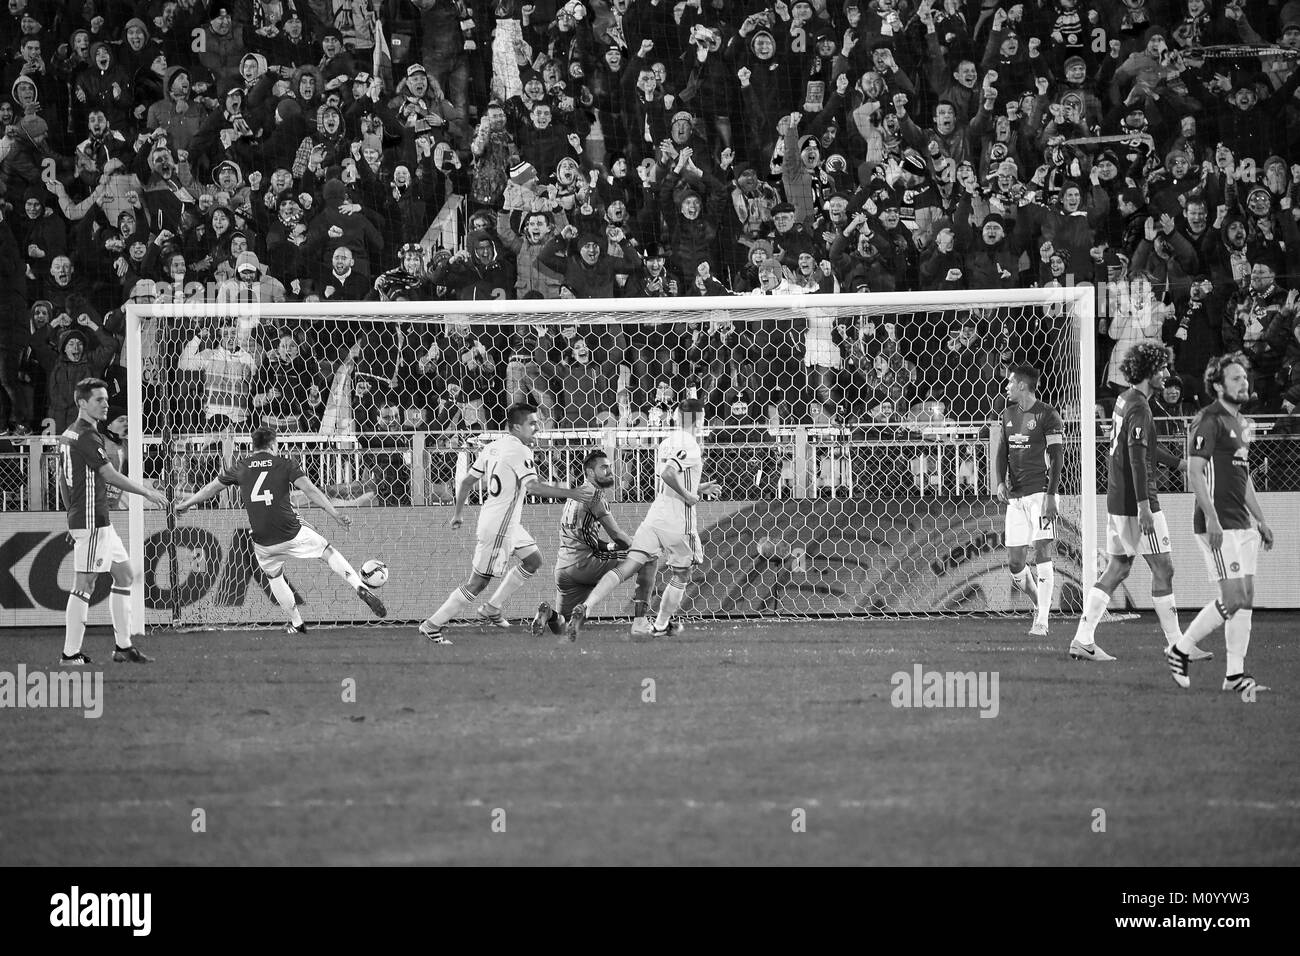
250, 151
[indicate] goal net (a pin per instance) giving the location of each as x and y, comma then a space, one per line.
853, 437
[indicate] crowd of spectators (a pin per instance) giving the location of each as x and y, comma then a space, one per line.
260, 151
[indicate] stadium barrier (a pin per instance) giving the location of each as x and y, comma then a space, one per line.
770, 558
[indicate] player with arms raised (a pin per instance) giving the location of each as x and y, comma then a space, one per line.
1028, 462
86, 474
669, 526
584, 556
1218, 464
505, 466
1135, 524
267, 479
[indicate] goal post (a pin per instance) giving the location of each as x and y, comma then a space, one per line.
820, 456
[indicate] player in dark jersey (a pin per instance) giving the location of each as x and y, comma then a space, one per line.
1218, 463
1028, 465
113, 430
585, 556
1135, 524
86, 475
266, 480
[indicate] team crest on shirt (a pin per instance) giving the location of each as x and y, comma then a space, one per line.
1030, 422
1236, 566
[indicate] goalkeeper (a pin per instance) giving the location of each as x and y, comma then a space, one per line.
584, 556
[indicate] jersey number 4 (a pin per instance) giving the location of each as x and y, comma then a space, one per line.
265, 497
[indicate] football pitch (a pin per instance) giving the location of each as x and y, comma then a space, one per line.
729, 744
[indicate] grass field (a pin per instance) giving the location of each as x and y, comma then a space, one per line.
749, 723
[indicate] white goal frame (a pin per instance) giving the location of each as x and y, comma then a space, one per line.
1081, 300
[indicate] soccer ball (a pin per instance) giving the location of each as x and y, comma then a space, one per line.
374, 573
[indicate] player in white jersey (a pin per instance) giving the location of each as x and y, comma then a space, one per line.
669, 527
505, 467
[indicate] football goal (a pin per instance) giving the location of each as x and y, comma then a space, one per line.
853, 437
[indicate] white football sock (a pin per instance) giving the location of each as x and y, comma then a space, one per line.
1094, 606
669, 603
1236, 635
515, 578
1167, 610
339, 565
1046, 581
119, 612
284, 597
1205, 624
456, 602
74, 626
604, 587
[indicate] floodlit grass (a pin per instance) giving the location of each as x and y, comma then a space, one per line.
748, 724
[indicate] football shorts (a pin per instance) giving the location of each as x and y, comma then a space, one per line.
306, 544
1124, 535
96, 550
1237, 556
1025, 522
680, 549
491, 555
573, 582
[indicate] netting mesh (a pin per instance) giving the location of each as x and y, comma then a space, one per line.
853, 444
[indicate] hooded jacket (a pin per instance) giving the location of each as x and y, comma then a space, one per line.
108, 89
130, 60
478, 277
99, 348
692, 241
356, 231
183, 125
310, 104
221, 54
335, 144
46, 231
23, 165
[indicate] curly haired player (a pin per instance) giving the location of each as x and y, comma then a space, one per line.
1134, 520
